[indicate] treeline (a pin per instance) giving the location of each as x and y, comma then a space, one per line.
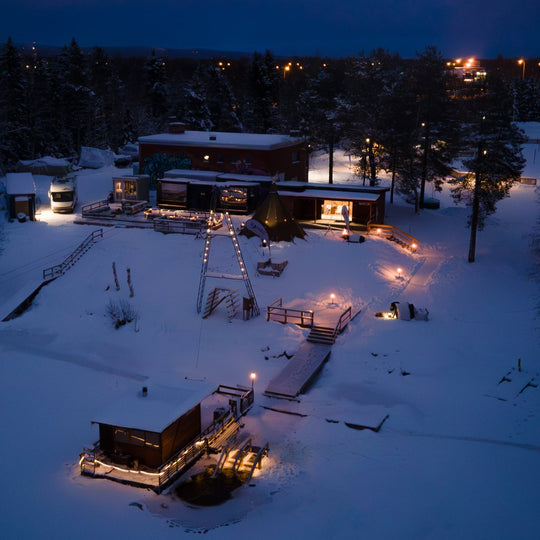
408, 117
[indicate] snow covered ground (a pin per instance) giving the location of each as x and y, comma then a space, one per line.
458, 456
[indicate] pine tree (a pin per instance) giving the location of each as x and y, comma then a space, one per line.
157, 89
319, 111
260, 107
73, 98
108, 101
437, 120
498, 161
14, 132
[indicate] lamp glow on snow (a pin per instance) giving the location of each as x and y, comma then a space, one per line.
252, 376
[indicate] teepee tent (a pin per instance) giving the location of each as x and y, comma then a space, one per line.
277, 221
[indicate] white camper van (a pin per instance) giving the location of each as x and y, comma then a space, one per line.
63, 194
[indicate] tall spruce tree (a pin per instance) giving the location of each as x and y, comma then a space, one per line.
74, 97
157, 90
14, 132
438, 122
260, 107
497, 161
319, 110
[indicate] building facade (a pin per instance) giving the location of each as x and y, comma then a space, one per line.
282, 157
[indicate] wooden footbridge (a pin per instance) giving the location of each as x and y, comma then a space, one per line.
307, 362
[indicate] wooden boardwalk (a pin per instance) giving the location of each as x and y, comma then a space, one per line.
296, 376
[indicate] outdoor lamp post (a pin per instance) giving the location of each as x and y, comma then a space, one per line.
252, 376
522, 63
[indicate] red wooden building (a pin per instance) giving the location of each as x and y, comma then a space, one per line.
283, 157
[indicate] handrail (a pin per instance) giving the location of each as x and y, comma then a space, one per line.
258, 459
242, 451
284, 315
393, 232
343, 321
279, 303
60, 269
93, 206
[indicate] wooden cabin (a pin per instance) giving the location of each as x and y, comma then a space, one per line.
324, 202
21, 196
150, 427
131, 188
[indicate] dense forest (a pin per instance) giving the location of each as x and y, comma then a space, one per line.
410, 117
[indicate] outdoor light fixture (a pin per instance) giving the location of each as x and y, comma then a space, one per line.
399, 271
332, 297
252, 376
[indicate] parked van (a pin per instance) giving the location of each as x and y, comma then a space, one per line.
63, 194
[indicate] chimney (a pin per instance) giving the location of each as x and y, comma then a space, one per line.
177, 127
144, 391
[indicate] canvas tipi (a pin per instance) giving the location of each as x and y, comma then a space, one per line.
277, 221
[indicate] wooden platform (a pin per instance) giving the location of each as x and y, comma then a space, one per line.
296, 376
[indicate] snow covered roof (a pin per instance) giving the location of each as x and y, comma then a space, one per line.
158, 409
328, 194
189, 173
20, 183
245, 177
213, 139
210, 182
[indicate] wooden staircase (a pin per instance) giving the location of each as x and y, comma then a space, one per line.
241, 460
216, 297
324, 335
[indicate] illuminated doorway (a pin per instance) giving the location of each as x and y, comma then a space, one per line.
332, 210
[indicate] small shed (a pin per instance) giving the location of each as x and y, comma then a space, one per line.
21, 195
150, 426
131, 188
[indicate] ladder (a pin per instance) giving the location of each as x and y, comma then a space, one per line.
243, 272
216, 296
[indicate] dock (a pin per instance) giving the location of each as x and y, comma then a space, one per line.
297, 375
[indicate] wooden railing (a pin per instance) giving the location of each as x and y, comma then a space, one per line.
275, 312
393, 233
59, 269
92, 207
343, 321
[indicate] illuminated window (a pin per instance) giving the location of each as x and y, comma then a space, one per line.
333, 210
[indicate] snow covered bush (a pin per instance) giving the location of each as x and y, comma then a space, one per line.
121, 313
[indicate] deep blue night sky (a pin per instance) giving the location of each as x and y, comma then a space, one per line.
286, 27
